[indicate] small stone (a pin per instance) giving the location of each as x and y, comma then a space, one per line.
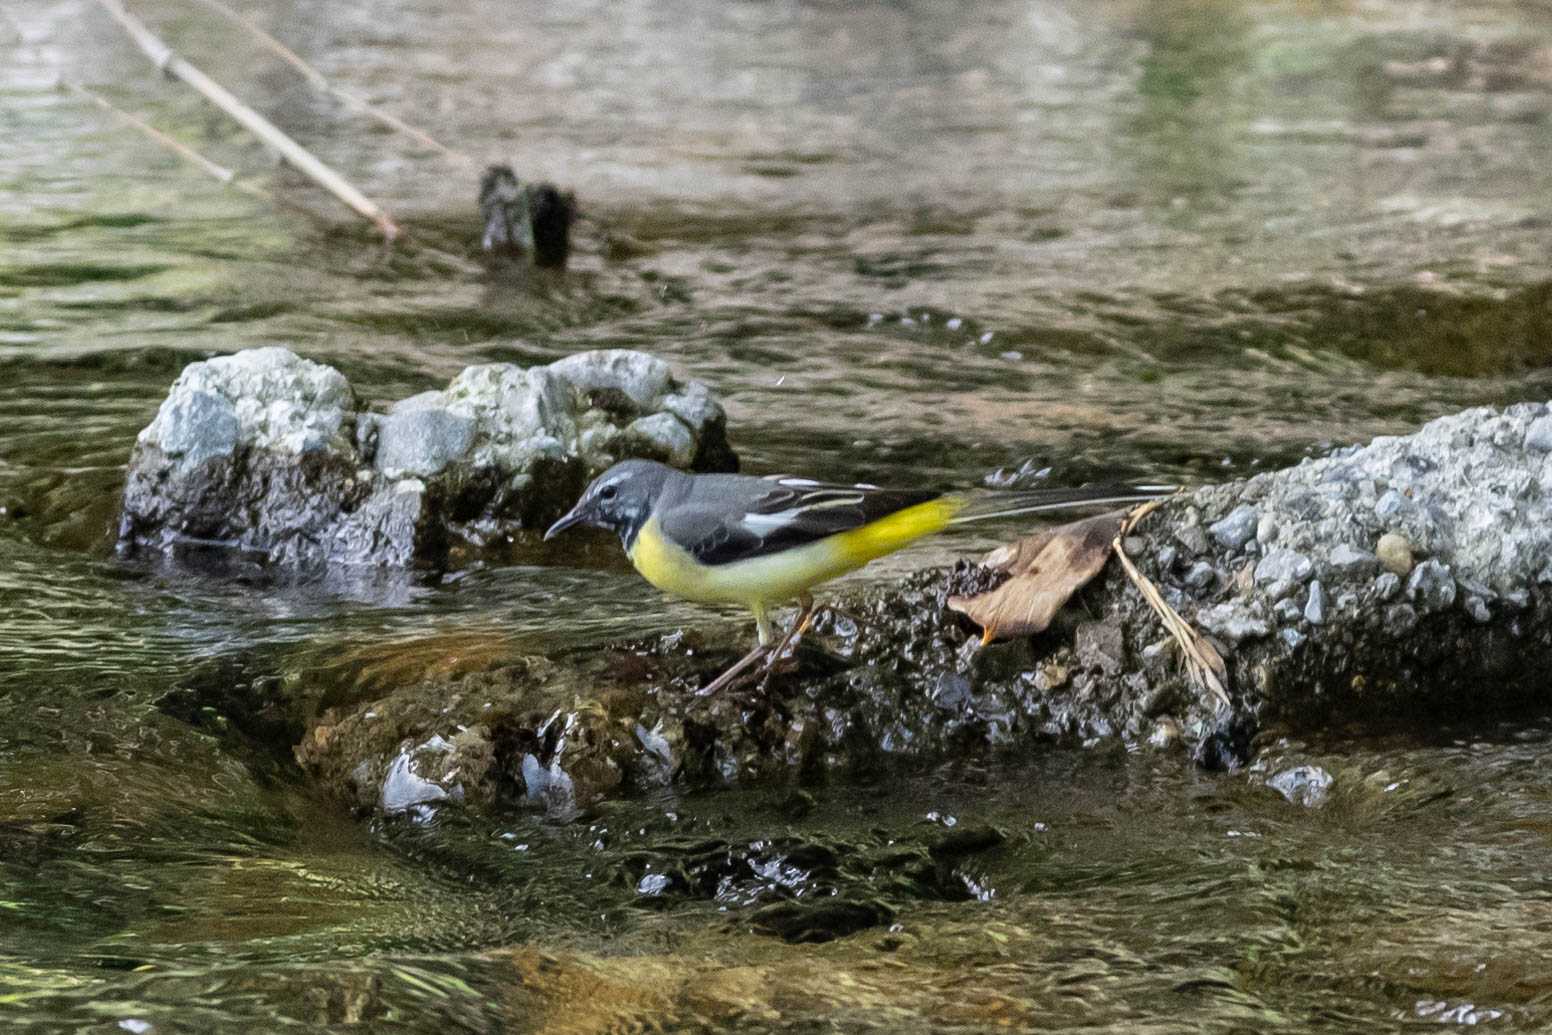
1280, 589
1394, 552
1282, 565
1099, 645
1167, 557
1538, 437
1192, 538
1234, 531
1477, 608
1287, 611
1291, 637
1386, 586
1306, 785
1266, 528
1233, 622
1392, 504
1315, 607
1349, 559
1200, 576
952, 692
1431, 586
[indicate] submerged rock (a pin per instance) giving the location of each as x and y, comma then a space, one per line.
268, 452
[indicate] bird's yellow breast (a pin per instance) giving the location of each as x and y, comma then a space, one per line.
783, 575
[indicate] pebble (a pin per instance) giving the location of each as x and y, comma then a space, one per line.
1394, 552
1200, 576
1282, 565
1234, 531
1315, 607
1347, 558
1387, 586
1307, 785
1233, 622
1431, 587
1391, 505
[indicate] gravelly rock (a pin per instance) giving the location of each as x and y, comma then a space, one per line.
905, 681
271, 453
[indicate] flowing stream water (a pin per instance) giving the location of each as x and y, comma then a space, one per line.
907, 242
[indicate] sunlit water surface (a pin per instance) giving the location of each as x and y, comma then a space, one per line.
911, 243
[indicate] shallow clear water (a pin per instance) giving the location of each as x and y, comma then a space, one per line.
903, 242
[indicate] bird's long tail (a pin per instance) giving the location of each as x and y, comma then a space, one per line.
1034, 501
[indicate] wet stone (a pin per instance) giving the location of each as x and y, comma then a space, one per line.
272, 454
1315, 606
1234, 531
1386, 586
1200, 576
1431, 586
1305, 785
1233, 622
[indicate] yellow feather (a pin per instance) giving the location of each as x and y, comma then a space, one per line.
782, 576
888, 534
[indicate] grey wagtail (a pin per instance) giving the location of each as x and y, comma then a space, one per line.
759, 542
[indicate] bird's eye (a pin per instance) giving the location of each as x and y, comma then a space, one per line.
608, 492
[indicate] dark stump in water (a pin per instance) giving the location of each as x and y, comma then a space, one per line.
526, 220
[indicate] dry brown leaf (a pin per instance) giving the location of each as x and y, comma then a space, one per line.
1047, 568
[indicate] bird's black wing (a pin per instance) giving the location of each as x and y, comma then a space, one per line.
727, 518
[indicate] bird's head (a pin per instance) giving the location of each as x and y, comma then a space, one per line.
621, 499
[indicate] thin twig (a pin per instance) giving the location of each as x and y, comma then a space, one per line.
321, 83
182, 150
163, 57
1203, 661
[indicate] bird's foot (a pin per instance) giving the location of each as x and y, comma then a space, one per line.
773, 654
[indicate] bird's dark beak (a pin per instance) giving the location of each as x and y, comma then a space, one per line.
578, 515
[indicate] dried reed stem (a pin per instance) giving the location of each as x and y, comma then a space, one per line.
303, 160
322, 83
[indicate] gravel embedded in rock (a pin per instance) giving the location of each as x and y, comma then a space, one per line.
1431, 586
1349, 559
1200, 576
1394, 553
1538, 437
1386, 586
1281, 565
1234, 531
1315, 606
1233, 622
